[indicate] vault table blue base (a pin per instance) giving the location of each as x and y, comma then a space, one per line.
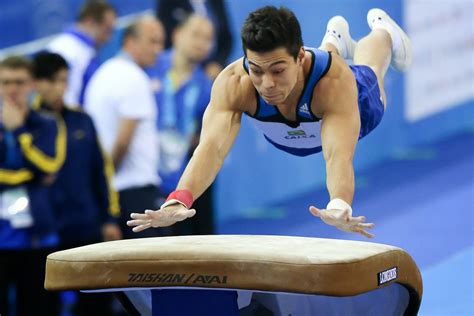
389, 300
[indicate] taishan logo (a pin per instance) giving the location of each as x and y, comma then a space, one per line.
387, 275
298, 134
176, 278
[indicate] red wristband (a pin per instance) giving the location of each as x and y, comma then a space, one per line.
183, 196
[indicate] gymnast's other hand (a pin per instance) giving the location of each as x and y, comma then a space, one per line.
343, 220
163, 217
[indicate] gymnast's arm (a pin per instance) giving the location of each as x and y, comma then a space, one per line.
339, 133
221, 124
340, 128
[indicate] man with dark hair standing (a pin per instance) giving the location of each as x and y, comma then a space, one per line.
32, 150
84, 202
120, 100
79, 44
288, 89
82, 194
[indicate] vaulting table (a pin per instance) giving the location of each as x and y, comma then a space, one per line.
243, 275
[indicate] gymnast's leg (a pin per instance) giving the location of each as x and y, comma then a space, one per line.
386, 44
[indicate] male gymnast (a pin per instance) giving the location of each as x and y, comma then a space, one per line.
289, 89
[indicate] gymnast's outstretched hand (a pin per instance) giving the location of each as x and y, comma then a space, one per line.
165, 216
343, 220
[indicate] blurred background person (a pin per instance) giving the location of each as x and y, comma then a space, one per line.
182, 94
120, 100
174, 12
32, 150
84, 202
79, 45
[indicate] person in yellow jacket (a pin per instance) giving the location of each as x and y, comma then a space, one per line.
32, 150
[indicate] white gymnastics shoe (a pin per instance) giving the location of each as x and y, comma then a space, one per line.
401, 44
337, 34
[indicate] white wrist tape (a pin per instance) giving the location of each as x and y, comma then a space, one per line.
171, 202
338, 204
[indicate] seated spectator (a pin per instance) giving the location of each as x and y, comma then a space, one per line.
120, 100
79, 45
182, 93
82, 197
32, 150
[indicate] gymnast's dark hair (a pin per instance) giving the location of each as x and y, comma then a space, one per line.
46, 65
269, 28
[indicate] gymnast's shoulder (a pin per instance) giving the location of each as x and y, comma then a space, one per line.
233, 89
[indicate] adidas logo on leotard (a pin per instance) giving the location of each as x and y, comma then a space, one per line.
304, 108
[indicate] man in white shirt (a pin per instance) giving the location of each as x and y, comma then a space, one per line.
79, 44
120, 100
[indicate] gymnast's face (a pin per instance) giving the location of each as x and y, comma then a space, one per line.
274, 74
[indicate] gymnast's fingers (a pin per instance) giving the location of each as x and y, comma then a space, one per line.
139, 216
141, 228
155, 214
189, 213
137, 222
315, 211
365, 225
362, 231
366, 234
358, 219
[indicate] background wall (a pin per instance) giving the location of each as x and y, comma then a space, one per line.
256, 174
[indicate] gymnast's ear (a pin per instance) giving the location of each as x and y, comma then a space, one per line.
300, 57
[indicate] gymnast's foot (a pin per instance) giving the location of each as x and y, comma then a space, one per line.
401, 44
337, 34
